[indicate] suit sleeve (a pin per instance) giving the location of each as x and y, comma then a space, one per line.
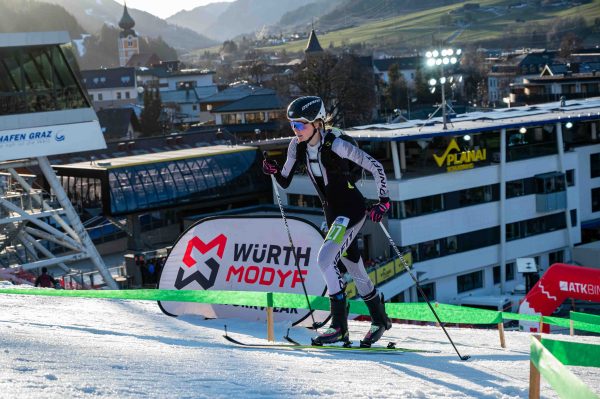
351, 152
286, 174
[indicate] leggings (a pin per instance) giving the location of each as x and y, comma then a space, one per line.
338, 241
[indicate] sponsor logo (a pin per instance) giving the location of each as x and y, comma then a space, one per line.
454, 159
12, 139
60, 137
579, 288
197, 244
310, 103
248, 264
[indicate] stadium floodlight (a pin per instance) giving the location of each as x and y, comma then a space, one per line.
446, 57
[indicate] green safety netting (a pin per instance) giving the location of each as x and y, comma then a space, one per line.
404, 311
562, 380
574, 353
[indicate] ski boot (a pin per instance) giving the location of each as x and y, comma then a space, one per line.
380, 322
338, 329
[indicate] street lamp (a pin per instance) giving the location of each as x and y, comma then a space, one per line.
441, 59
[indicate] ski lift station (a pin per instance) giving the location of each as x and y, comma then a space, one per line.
470, 195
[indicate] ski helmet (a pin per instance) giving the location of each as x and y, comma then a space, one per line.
306, 109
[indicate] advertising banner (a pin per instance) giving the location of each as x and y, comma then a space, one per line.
244, 253
50, 140
561, 281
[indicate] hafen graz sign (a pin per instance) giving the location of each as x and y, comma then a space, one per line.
244, 254
454, 159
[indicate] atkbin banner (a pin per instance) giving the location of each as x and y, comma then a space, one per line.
244, 254
560, 282
50, 140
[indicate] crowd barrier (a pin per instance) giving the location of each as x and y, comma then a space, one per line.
402, 311
548, 359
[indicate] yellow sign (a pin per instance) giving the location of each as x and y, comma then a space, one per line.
459, 160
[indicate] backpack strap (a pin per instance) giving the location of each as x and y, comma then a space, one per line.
328, 139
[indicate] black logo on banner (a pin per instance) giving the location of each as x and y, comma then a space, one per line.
198, 277
213, 265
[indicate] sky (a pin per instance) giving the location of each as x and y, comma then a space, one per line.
53, 347
164, 9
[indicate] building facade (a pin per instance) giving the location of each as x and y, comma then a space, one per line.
471, 200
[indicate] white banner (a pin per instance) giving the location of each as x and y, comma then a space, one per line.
244, 254
50, 140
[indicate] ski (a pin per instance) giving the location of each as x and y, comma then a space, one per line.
300, 347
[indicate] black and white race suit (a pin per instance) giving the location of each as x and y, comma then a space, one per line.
328, 166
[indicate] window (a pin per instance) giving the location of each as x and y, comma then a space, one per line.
595, 165
596, 200
510, 271
118, 95
570, 177
127, 95
228, 119
555, 257
100, 97
37, 79
309, 201
470, 281
255, 117
91, 97
428, 290
496, 273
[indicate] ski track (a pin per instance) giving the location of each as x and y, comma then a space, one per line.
84, 348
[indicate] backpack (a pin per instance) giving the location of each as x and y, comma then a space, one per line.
332, 161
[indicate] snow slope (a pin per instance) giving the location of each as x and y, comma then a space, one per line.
84, 348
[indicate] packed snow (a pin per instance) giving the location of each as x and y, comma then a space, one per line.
54, 347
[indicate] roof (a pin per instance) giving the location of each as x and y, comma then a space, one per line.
179, 96
114, 122
143, 60
153, 158
253, 103
24, 39
206, 91
409, 62
478, 122
234, 93
108, 78
313, 45
126, 23
163, 72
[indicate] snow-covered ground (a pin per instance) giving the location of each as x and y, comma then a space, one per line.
80, 348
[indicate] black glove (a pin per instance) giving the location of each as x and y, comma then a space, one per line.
377, 211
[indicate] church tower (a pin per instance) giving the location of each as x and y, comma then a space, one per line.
313, 47
128, 40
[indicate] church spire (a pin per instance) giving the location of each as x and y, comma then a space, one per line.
313, 45
126, 23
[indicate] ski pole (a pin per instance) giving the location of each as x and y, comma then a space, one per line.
315, 325
405, 264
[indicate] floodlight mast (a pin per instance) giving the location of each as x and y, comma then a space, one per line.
441, 58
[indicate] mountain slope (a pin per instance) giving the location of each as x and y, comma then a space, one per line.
196, 19
239, 17
32, 16
497, 23
92, 14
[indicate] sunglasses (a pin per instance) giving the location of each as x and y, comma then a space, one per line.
296, 125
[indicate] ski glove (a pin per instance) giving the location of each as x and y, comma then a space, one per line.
379, 209
270, 167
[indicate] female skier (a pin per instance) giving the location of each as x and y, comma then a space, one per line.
329, 156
